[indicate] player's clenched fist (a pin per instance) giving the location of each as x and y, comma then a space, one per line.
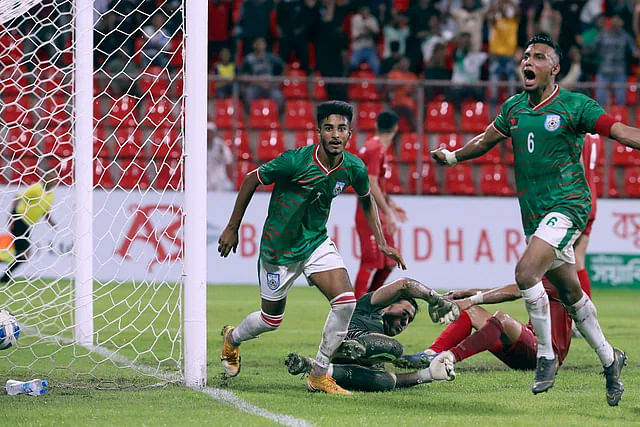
444, 157
228, 241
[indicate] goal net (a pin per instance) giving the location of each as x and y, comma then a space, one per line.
125, 329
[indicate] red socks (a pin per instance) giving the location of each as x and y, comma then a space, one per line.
481, 340
585, 283
453, 334
379, 278
362, 282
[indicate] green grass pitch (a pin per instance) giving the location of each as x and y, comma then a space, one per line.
484, 393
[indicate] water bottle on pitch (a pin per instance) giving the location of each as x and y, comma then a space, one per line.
33, 388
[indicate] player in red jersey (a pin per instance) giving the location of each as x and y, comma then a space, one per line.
376, 154
509, 340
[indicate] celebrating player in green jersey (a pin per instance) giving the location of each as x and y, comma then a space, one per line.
547, 126
294, 238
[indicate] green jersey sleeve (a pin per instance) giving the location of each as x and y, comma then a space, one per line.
361, 180
590, 113
501, 122
282, 168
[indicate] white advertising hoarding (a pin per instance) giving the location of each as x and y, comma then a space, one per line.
447, 242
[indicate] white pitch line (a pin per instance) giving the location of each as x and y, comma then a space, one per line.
223, 396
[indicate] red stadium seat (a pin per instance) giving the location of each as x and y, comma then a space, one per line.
458, 180
122, 112
401, 5
367, 115
152, 81
175, 50
299, 115
624, 156
428, 176
24, 169
264, 114
20, 142
450, 141
294, 88
157, 111
243, 167
632, 181
440, 117
494, 182
364, 91
165, 143
319, 90
16, 111
55, 111
128, 144
50, 80
270, 145
475, 116
303, 138
223, 114
169, 172
102, 172
11, 48
238, 143
133, 174
392, 180
632, 92
600, 146
620, 113
410, 147
13, 81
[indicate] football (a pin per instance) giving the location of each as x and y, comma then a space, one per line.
9, 330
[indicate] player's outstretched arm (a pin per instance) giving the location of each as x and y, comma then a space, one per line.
228, 240
490, 296
406, 287
476, 147
371, 214
626, 135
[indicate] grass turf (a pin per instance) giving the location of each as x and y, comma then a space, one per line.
484, 393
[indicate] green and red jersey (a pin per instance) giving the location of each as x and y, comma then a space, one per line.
301, 200
547, 145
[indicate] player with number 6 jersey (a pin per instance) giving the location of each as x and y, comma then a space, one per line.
547, 125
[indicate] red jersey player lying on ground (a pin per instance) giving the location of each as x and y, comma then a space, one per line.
509, 340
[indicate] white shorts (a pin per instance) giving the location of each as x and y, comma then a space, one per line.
276, 280
558, 230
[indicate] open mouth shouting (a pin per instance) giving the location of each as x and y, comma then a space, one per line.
529, 78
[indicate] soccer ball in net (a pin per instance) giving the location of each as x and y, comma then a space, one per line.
9, 330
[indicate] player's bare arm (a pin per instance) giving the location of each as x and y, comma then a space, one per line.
626, 135
228, 240
370, 210
476, 147
381, 202
490, 296
404, 287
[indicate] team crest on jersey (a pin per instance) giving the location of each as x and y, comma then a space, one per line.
273, 281
513, 123
552, 122
339, 187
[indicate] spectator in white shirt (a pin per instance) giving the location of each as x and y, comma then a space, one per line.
219, 159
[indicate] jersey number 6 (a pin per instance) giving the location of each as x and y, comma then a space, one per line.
530, 143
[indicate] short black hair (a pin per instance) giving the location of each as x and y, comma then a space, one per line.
411, 300
339, 108
386, 121
544, 38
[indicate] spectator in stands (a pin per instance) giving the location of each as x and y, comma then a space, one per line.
364, 33
296, 19
382, 10
467, 66
395, 31
402, 101
503, 20
590, 56
390, 61
219, 160
435, 36
254, 22
436, 69
122, 72
225, 69
612, 45
331, 45
262, 63
623, 9
575, 71
636, 23
220, 26
470, 19
419, 15
156, 41
548, 20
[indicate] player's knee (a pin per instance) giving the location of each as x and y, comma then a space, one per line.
383, 381
271, 322
501, 316
525, 275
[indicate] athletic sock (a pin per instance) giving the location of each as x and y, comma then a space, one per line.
481, 340
253, 325
537, 304
335, 329
453, 334
585, 282
362, 281
379, 278
585, 316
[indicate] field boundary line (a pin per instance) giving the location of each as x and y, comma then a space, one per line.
223, 396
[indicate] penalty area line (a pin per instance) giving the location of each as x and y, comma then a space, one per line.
223, 396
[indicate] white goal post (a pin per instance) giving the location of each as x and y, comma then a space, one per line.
113, 291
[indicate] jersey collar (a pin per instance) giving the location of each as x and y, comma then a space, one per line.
545, 101
317, 160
